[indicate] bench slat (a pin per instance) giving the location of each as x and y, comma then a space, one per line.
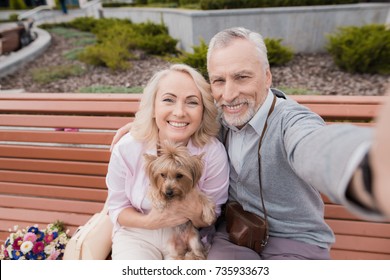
339, 212
365, 244
54, 166
60, 153
346, 112
90, 122
41, 217
72, 107
72, 96
353, 255
359, 228
337, 99
97, 182
57, 137
50, 204
53, 191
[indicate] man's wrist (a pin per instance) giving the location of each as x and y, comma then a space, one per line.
360, 187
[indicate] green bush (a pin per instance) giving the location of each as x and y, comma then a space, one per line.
87, 24
158, 45
17, 5
141, 2
277, 54
197, 59
112, 49
117, 38
13, 17
363, 49
188, 2
108, 54
240, 4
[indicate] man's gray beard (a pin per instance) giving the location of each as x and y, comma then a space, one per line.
239, 121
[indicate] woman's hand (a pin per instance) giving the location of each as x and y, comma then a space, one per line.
190, 207
168, 217
177, 212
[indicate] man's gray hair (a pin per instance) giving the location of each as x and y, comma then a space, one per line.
225, 37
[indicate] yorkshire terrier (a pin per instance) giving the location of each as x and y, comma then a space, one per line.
174, 174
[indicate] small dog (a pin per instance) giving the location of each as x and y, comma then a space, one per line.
174, 174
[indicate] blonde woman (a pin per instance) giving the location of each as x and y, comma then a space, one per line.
177, 106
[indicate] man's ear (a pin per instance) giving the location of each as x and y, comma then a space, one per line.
268, 78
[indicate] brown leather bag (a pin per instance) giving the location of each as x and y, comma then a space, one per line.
245, 228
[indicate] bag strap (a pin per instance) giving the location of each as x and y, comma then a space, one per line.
259, 162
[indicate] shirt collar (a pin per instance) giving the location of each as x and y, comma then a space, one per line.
258, 120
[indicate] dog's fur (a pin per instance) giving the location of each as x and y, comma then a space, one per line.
174, 174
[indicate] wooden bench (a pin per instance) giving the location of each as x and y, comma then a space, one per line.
10, 39
48, 175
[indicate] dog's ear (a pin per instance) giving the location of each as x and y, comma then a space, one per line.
197, 167
149, 159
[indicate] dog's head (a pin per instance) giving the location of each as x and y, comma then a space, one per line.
174, 172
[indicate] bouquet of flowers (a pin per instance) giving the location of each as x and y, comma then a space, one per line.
32, 243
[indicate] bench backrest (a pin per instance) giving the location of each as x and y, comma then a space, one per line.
48, 174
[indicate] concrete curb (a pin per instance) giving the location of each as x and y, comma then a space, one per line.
16, 60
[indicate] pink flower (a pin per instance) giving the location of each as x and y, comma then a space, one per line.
30, 237
38, 247
49, 238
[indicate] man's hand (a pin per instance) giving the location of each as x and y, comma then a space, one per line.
380, 159
119, 134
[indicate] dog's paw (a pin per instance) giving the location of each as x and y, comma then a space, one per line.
209, 215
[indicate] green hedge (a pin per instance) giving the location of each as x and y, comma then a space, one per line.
239, 4
17, 5
278, 55
363, 49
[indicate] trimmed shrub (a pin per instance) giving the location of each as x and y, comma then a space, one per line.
277, 54
197, 59
363, 49
240, 4
13, 17
117, 38
17, 5
112, 50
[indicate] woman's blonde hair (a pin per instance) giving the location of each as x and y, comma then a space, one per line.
144, 126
